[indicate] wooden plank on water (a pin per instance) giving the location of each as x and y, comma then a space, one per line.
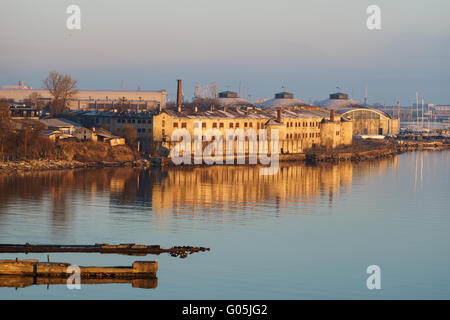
59, 269
124, 248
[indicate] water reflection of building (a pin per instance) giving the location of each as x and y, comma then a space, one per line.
187, 190
228, 185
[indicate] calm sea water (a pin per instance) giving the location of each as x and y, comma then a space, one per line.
308, 232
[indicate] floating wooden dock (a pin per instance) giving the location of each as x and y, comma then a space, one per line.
34, 268
124, 248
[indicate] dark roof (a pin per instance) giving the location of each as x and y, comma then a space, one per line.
246, 113
284, 95
228, 94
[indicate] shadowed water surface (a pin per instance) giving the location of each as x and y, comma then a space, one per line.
307, 232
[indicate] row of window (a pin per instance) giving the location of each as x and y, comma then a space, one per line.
139, 121
247, 124
302, 124
303, 135
140, 130
219, 125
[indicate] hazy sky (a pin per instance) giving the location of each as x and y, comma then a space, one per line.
307, 47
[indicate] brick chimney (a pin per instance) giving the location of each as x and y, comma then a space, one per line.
179, 95
332, 115
279, 115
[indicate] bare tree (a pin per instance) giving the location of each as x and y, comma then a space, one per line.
62, 87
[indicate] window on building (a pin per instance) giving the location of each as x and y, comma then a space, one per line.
203, 125
221, 125
175, 124
231, 125
237, 124
245, 124
163, 124
214, 125
251, 124
183, 124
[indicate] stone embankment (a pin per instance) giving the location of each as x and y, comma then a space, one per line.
372, 152
40, 165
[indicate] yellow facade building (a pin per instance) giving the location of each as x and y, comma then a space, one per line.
299, 128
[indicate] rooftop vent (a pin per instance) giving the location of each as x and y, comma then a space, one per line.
339, 95
227, 94
284, 95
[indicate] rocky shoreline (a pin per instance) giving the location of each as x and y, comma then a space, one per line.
380, 152
12, 167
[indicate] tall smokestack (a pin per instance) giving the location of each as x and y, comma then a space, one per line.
179, 95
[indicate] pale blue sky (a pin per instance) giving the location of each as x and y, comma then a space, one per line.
309, 47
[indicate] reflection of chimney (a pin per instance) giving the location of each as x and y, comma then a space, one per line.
179, 95
195, 108
332, 115
279, 115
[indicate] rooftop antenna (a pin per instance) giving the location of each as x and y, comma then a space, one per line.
366, 89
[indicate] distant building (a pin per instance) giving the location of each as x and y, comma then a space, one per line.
23, 112
141, 121
366, 121
94, 99
60, 124
100, 135
441, 112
